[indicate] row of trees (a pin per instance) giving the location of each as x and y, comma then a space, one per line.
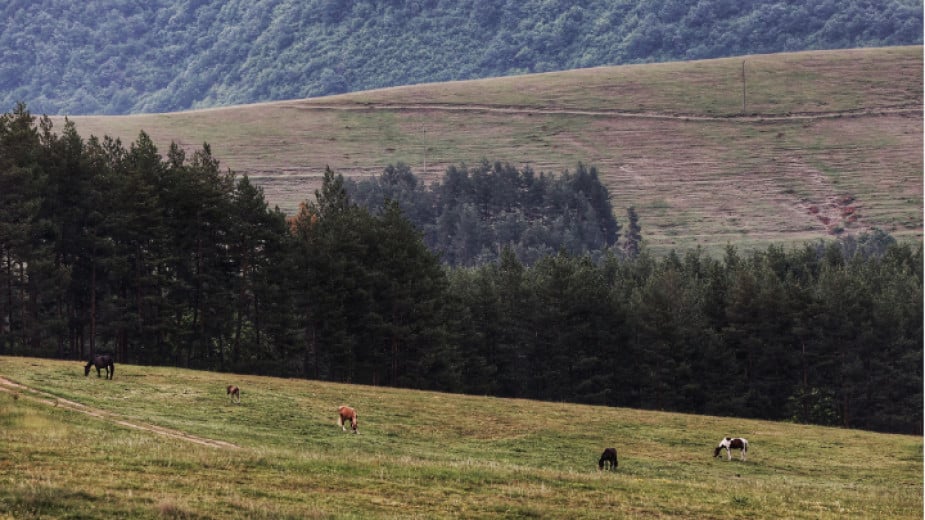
812, 335
113, 56
169, 260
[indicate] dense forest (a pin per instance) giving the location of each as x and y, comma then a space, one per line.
116, 57
470, 215
168, 259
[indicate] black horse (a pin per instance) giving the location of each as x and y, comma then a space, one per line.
609, 456
101, 361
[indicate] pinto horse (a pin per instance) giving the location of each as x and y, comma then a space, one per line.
101, 361
609, 456
344, 414
729, 444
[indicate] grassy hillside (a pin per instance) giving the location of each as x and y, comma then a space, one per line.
72, 446
828, 142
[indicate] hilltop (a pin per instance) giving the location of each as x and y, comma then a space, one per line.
160, 442
818, 145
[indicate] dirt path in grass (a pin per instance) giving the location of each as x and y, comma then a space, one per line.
914, 109
22, 391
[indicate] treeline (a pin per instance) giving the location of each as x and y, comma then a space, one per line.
470, 214
116, 57
170, 260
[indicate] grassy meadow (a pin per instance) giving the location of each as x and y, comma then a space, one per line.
672, 140
84, 447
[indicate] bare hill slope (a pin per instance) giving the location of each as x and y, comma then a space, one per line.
744, 151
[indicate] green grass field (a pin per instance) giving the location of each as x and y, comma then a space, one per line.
83, 447
670, 139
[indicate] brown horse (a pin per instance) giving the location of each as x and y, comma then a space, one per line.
234, 392
344, 414
101, 361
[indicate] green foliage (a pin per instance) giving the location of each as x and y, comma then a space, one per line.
473, 214
799, 335
169, 260
105, 56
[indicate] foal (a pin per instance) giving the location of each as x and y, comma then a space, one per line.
345, 413
234, 393
730, 444
609, 456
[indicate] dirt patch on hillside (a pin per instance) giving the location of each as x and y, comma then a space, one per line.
21, 391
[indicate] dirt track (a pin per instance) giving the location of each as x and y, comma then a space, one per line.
45, 398
514, 109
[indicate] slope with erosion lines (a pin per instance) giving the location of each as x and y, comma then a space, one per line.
830, 142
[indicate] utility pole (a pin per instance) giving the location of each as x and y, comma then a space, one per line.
743, 86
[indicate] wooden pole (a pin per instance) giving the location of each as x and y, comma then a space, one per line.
743, 86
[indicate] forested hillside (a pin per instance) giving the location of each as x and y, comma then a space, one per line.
110, 56
169, 260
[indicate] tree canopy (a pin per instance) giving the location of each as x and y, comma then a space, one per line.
473, 213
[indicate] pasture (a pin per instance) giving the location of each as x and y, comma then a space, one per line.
141, 446
827, 142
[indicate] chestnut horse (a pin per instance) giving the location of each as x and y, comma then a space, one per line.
344, 414
730, 444
101, 361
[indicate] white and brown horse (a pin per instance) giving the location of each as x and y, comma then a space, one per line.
729, 444
344, 414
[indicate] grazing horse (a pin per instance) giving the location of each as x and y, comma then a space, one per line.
730, 444
101, 361
344, 414
234, 392
609, 456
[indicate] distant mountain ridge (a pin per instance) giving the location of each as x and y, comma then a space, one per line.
115, 57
